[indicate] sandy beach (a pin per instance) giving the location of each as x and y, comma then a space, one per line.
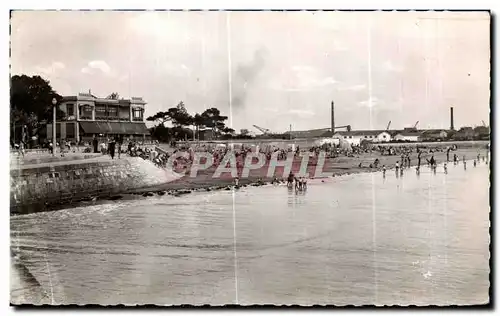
335, 166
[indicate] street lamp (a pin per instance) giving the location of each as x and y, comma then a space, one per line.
54, 139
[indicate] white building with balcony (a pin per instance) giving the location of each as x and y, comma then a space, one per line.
87, 116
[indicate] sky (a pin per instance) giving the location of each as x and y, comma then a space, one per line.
271, 69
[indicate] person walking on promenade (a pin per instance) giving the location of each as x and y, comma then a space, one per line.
94, 144
120, 141
112, 146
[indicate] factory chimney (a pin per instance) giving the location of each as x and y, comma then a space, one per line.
333, 118
452, 127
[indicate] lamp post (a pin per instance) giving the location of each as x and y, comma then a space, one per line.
54, 138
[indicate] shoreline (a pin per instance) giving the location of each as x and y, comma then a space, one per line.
204, 182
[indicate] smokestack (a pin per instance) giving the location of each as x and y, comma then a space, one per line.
452, 127
333, 118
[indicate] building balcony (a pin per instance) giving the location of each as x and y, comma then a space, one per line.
138, 119
106, 118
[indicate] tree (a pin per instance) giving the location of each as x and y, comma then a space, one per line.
198, 122
213, 119
161, 118
180, 116
31, 103
227, 130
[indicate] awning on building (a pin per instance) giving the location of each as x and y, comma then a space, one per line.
127, 128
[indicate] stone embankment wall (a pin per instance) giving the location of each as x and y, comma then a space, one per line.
65, 183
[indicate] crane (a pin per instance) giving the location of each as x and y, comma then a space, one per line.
415, 126
263, 130
388, 125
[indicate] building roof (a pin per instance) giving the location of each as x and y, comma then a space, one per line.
309, 133
433, 131
408, 134
361, 133
91, 97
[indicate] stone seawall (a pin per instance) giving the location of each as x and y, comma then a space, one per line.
60, 184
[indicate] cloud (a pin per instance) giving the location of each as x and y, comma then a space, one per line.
339, 46
357, 87
51, 69
370, 103
99, 65
301, 112
389, 66
177, 70
301, 78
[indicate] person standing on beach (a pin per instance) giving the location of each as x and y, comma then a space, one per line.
419, 157
409, 161
465, 165
383, 171
448, 154
474, 163
397, 167
445, 168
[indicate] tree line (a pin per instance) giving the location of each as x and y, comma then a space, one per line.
181, 120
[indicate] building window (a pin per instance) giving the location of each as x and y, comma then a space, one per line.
70, 109
113, 112
70, 130
384, 136
366, 136
100, 112
85, 112
137, 114
350, 136
124, 113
